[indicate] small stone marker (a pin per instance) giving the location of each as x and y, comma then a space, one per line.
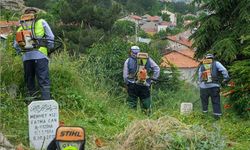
43, 122
186, 108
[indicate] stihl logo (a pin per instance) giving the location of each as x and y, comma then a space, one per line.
70, 133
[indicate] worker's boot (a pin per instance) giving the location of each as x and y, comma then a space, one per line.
132, 102
146, 106
31, 96
45, 93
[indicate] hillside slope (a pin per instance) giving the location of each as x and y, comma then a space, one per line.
88, 98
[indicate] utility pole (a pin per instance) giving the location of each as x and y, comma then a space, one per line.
136, 26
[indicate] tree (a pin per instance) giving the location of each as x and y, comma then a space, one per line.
225, 32
180, 7
84, 22
165, 17
9, 15
161, 34
92, 13
160, 45
140, 6
173, 31
179, 20
124, 28
143, 34
34, 3
189, 18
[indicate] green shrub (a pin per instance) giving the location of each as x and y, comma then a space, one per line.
239, 100
83, 96
11, 66
124, 28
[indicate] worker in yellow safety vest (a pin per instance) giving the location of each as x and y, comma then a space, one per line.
34, 38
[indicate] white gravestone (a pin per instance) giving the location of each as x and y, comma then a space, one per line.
186, 108
43, 122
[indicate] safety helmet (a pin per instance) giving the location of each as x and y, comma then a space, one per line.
29, 10
209, 56
135, 50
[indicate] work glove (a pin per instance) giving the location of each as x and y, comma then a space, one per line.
50, 44
153, 80
19, 51
17, 48
225, 81
126, 81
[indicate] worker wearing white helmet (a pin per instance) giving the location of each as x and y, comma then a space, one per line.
209, 83
137, 79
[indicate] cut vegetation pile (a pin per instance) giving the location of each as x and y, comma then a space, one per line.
166, 133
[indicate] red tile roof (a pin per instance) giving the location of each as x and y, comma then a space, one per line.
136, 17
172, 38
5, 27
180, 40
5, 31
165, 23
9, 23
154, 18
180, 59
150, 30
188, 52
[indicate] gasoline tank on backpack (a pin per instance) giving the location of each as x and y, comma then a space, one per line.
24, 35
209, 71
138, 68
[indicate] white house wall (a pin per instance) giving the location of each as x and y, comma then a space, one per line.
187, 74
161, 28
176, 46
172, 16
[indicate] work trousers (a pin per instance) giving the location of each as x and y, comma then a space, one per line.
142, 92
214, 93
39, 69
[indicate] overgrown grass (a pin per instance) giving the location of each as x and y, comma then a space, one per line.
84, 99
167, 133
88, 98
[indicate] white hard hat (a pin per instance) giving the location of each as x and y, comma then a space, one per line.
209, 56
135, 49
